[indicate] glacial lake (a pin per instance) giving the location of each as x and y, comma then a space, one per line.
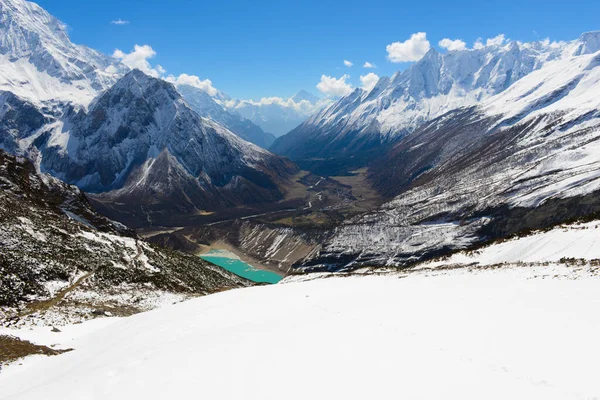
232, 263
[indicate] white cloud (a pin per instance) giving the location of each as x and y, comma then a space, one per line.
478, 44
495, 41
553, 45
303, 107
334, 86
138, 58
369, 65
411, 50
348, 63
369, 81
452, 45
192, 80
119, 22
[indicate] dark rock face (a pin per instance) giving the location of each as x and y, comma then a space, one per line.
18, 120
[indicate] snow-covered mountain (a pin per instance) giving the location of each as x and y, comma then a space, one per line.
433, 86
276, 115
526, 158
206, 106
39, 63
142, 143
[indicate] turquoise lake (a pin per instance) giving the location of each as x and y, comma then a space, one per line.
229, 261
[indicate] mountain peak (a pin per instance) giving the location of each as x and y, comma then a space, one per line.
589, 43
304, 95
26, 26
36, 45
138, 77
137, 88
139, 84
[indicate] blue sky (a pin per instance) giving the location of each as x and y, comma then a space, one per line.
254, 49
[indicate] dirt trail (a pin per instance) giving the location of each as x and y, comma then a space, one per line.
44, 305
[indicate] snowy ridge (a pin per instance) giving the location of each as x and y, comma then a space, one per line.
433, 86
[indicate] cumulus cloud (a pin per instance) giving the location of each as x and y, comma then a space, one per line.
369, 81
412, 49
138, 58
495, 41
452, 45
119, 22
334, 86
553, 45
369, 65
348, 63
303, 107
193, 80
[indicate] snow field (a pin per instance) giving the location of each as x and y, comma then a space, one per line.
494, 334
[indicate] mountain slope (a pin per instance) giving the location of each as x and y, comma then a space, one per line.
39, 63
207, 107
527, 158
60, 261
433, 86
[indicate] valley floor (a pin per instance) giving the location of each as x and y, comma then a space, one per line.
521, 332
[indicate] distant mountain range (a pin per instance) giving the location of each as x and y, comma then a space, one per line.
438, 83
275, 115
207, 106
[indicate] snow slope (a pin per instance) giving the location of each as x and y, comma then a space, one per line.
574, 244
494, 334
